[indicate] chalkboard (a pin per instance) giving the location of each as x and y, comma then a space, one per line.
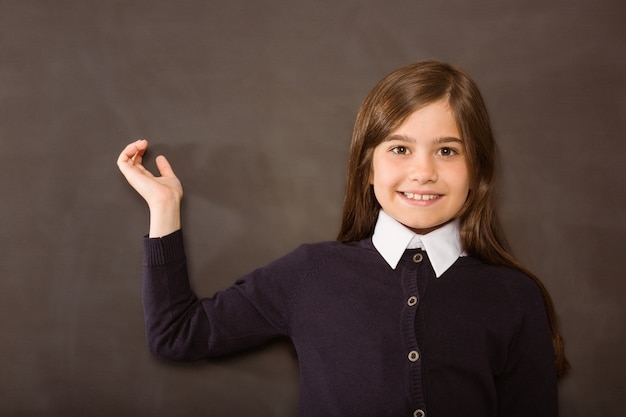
253, 103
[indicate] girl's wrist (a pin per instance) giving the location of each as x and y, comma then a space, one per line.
164, 220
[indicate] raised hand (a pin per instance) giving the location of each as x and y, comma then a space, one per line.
163, 193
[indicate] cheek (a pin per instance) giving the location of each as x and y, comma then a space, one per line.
464, 180
378, 175
374, 167
381, 166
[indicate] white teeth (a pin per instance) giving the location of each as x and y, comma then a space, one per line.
420, 196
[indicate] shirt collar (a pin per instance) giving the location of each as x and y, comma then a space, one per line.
443, 245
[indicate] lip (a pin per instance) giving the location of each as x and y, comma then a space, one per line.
420, 198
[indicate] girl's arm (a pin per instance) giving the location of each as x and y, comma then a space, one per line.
529, 386
163, 194
179, 325
182, 327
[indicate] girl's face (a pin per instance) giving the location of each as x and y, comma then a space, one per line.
419, 172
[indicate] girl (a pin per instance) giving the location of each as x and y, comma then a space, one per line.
416, 310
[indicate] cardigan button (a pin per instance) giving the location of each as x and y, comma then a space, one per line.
414, 355
418, 257
411, 301
419, 413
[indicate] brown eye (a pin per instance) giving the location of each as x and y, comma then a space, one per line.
447, 152
400, 150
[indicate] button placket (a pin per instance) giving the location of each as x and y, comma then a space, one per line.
414, 268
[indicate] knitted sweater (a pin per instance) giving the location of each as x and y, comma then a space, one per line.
370, 340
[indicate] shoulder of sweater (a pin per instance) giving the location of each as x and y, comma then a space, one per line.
507, 275
332, 245
331, 249
477, 266
311, 256
502, 282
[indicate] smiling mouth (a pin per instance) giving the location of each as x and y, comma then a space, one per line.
421, 197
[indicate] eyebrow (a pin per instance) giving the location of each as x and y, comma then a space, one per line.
449, 139
440, 140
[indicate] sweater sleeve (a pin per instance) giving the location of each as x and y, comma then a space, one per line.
181, 326
529, 384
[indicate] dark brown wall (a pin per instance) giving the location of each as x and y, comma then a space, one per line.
253, 102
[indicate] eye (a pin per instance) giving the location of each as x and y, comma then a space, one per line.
447, 152
400, 150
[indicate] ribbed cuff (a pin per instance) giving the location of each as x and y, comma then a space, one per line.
164, 250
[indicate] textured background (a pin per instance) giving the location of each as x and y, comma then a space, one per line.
253, 102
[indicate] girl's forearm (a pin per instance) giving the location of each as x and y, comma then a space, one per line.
164, 219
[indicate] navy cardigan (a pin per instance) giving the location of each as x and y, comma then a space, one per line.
370, 340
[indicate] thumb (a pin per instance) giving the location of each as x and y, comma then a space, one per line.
164, 167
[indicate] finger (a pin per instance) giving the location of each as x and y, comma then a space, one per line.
132, 150
164, 167
137, 159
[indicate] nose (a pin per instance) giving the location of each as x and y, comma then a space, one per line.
423, 170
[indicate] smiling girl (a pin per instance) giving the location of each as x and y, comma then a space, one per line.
419, 172
416, 310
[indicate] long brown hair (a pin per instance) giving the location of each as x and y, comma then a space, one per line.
389, 103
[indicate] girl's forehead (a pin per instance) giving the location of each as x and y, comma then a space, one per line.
435, 115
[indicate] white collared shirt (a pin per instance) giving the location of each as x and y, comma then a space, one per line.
442, 245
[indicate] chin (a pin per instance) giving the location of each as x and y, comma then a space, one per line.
422, 229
